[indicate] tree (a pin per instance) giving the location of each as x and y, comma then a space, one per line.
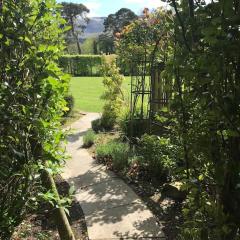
106, 43
113, 24
76, 17
95, 47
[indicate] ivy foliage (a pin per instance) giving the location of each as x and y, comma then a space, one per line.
32, 90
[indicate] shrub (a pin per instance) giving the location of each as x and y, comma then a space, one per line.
113, 95
69, 104
105, 123
129, 129
109, 117
118, 152
158, 155
32, 102
85, 65
88, 139
97, 125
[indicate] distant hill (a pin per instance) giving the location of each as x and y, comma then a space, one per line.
94, 28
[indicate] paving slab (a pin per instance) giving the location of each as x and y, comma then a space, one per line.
106, 195
123, 222
112, 209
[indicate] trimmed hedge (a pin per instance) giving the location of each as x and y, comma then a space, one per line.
90, 65
82, 65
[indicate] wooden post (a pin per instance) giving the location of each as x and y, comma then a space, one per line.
60, 218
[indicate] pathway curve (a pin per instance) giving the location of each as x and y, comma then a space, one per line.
112, 209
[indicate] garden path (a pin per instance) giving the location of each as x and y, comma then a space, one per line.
112, 209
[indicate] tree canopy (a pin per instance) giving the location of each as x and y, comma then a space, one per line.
113, 24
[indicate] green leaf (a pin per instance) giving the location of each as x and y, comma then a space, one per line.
26, 39
201, 177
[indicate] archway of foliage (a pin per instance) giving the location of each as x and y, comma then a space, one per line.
32, 101
203, 65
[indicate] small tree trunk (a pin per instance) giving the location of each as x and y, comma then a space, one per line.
60, 218
75, 35
78, 45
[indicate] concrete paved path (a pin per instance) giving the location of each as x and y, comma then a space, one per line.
112, 209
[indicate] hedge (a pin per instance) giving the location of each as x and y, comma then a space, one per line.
81, 65
90, 65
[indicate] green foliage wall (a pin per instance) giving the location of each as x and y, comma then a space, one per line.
201, 55
32, 90
205, 69
82, 65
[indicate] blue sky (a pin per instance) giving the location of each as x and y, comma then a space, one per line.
102, 8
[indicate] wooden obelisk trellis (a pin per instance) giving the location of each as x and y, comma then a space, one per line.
148, 94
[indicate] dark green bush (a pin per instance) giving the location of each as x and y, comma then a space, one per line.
88, 139
105, 123
32, 102
69, 104
158, 155
108, 119
134, 129
97, 125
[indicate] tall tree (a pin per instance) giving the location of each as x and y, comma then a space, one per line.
76, 16
106, 43
113, 24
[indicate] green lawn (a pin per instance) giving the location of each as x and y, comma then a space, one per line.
88, 90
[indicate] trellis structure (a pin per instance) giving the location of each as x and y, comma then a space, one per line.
148, 95
140, 97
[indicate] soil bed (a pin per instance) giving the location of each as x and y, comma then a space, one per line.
39, 225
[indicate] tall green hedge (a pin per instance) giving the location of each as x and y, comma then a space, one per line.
82, 65
32, 90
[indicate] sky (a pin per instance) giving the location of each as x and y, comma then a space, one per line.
102, 8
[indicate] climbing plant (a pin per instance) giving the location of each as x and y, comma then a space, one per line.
32, 91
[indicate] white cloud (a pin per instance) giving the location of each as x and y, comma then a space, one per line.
94, 7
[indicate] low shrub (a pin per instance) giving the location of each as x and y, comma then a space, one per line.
159, 156
134, 129
115, 151
97, 125
88, 139
105, 123
109, 117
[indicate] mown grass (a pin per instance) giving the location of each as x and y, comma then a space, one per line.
87, 92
